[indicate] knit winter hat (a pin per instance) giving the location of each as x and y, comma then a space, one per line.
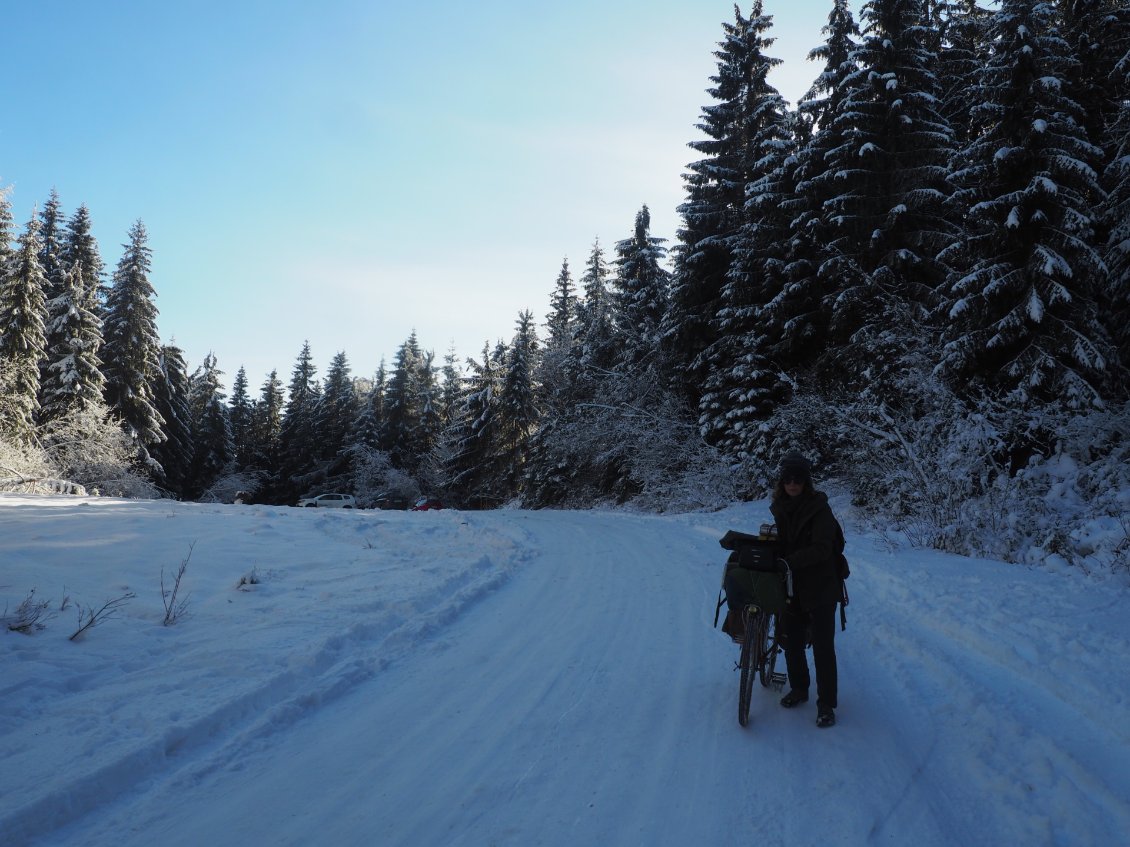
794, 464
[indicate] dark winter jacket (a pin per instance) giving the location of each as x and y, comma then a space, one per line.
807, 540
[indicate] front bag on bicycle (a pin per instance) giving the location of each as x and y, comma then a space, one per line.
752, 575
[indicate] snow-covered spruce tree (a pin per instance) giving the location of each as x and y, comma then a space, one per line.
403, 406
1115, 302
556, 369
337, 408
266, 424
50, 260
432, 421
80, 247
72, 376
887, 185
558, 373
213, 448
131, 346
712, 214
298, 433
518, 408
239, 415
801, 311
370, 417
741, 388
171, 391
595, 351
51, 245
1098, 37
641, 292
7, 230
561, 321
22, 335
471, 474
1023, 320
964, 46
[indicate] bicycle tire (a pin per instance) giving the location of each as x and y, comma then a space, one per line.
748, 660
769, 650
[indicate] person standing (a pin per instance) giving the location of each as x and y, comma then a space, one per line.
808, 536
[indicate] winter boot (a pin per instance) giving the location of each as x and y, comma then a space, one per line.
825, 716
794, 698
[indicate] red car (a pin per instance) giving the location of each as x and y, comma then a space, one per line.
426, 503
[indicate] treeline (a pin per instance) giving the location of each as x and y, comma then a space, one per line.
920, 272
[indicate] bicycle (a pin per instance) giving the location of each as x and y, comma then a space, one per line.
761, 647
758, 657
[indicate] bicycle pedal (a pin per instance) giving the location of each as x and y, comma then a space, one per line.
778, 680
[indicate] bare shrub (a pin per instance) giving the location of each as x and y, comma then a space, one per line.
175, 608
89, 617
248, 579
31, 615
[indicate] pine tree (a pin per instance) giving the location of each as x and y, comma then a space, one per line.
337, 408
743, 127
642, 290
51, 245
403, 407
239, 415
80, 247
451, 387
72, 380
298, 433
449, 403
562, 318
596, 348
266, 424
884, 220
1097, 33
23, 309
171, 391
1023, 317
1115, 301
471, 473
518, 410
213, 448
801, 311
960, 58
556, 368
7, 229
734, 395
371, 422
431, 418
131, 347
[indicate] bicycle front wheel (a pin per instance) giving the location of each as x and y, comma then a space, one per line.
750, 659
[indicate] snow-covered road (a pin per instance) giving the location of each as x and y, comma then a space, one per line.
552, 678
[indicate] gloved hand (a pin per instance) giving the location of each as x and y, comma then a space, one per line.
782, 566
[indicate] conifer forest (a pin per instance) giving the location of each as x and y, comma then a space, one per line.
919, 276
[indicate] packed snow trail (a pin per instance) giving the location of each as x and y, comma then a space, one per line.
582, 697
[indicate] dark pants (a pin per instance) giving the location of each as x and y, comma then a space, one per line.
794, 625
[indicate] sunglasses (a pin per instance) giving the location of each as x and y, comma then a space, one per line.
792, 479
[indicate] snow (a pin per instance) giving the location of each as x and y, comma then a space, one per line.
516, 677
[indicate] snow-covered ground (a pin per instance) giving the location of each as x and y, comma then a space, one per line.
529, 678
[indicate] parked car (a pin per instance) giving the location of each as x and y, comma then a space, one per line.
424, 504
329, 501
392, 501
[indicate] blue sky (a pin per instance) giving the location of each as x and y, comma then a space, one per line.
346, 172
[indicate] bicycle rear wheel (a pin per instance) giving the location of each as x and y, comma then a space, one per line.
750, 659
